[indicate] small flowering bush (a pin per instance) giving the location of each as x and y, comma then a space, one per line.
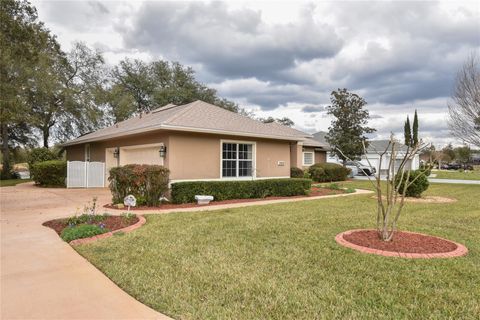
148, 183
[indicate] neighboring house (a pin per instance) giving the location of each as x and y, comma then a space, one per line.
374, 148
200, 141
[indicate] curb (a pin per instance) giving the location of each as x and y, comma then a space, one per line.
461, 250
141, 221
250, 203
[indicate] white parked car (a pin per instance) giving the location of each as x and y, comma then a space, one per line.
359, 169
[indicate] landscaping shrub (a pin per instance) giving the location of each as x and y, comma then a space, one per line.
184, 192
296, 172
40, 155
49, 173
81, 231
146, 182
427, 169
328, 172
418, 187
85, 218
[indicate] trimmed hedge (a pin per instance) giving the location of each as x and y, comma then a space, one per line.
296, 172
37, 155
146, 182
184, 192
328, 172
420, 185
49, 173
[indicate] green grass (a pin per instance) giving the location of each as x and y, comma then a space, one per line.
281, 262
12, 182
466, 175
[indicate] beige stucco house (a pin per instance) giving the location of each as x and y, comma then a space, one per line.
200, 141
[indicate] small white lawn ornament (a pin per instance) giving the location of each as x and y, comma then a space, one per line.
130, 201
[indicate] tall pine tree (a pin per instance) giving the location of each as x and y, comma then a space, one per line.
415, 130
407, 132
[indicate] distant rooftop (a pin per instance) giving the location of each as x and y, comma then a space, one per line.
374, 146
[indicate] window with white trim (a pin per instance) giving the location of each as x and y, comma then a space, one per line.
308, 158
237, 160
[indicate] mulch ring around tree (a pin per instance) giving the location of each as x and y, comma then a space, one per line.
404, 244
111, 223
314, 192
427, 199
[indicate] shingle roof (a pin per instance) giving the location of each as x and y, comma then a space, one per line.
309, 142
374, 146
197, 116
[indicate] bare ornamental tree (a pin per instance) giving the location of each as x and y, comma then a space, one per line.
464, 109
391, 199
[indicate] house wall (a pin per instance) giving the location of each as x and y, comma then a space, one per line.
197, 156
97, 149
193, 156
296, 155
320, 156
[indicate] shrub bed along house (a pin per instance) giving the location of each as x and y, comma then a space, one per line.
146, 182
49, 173
184, 192
296, 172
416, 189
328, 172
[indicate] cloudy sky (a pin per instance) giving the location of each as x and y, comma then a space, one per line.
284, 58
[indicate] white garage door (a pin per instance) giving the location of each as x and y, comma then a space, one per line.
145, 154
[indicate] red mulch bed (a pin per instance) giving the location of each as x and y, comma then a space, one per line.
402, 242
112, 223
314, 192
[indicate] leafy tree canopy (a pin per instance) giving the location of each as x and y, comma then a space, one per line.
349, 126
283, 121
155, 84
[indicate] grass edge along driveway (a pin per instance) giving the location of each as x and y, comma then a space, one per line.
281, 262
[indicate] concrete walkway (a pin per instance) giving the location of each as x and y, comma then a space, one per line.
42, 277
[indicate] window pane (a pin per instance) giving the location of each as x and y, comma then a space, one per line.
245, 151
229, 151
308, 158
244, 168
229, 168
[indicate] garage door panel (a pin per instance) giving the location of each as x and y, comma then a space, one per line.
140, 155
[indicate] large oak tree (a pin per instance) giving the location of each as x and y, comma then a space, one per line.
346, 134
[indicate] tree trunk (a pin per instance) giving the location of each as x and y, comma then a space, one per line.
5, 153
46, 135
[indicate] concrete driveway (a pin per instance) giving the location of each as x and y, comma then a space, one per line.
42, 276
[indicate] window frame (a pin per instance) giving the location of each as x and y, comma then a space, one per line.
303, 158
237, 160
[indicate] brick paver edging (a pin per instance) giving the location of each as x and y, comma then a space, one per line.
461, 250
141, 221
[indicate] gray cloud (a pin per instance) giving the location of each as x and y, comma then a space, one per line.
397, 55
230, 43
310, 109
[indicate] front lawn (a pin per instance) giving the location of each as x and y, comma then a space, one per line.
12, 182
465, 175
281, 262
